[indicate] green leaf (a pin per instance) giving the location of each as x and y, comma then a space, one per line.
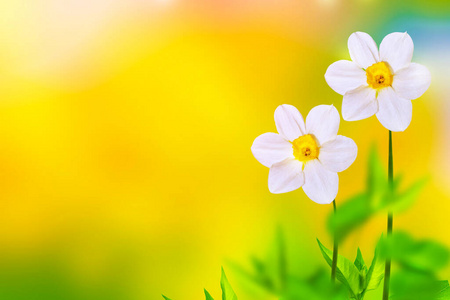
376, 272
361, 266
346, 271
378, 197
294, 286
424, 255
443, 291
165, 297
271, 273
263, 273
316, 287
227, 291
402, 201
361, 207
359, 261
208, 296
408, 284
382, 195
350, 215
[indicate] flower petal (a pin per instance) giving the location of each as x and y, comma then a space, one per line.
359, 104
323, 122
321, 185
289, 122
339, 154
397, 49
345, 75
363, 49
394, 113
286, 176
411, 82
270, 148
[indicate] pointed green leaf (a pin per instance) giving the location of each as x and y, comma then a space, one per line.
359, 261
361, 266
376, 272
263, 273
227, 291
346, 271
208, 296
165, 297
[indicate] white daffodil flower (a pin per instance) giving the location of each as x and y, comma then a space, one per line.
379, 82
307, 155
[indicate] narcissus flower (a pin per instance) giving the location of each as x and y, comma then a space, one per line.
379, 82
307, 155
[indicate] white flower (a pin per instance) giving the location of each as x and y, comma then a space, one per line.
379, 82
305, 155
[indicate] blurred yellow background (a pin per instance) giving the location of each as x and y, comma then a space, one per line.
126, 126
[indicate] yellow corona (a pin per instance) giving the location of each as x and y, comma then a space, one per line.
305, 148
379, 75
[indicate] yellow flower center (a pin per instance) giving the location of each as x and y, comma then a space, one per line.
305, 148
379, 75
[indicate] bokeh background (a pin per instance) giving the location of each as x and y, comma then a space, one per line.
126, 126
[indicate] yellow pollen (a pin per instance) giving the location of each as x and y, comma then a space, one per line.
379, 75
305, 148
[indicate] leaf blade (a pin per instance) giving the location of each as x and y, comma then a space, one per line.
208, 296
346, 271
376, 272
227, 290
359, 261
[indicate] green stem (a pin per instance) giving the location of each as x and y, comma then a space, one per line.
390, 221
335, 250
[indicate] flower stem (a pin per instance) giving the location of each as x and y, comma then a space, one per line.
335, 250
390, 221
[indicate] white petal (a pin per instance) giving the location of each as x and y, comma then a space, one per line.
286, 176
363, 49
397, 49
323, 122
359, 104
344, 75
289, 122
270, 148
321, 185
394, 113
339, 154
411, 82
